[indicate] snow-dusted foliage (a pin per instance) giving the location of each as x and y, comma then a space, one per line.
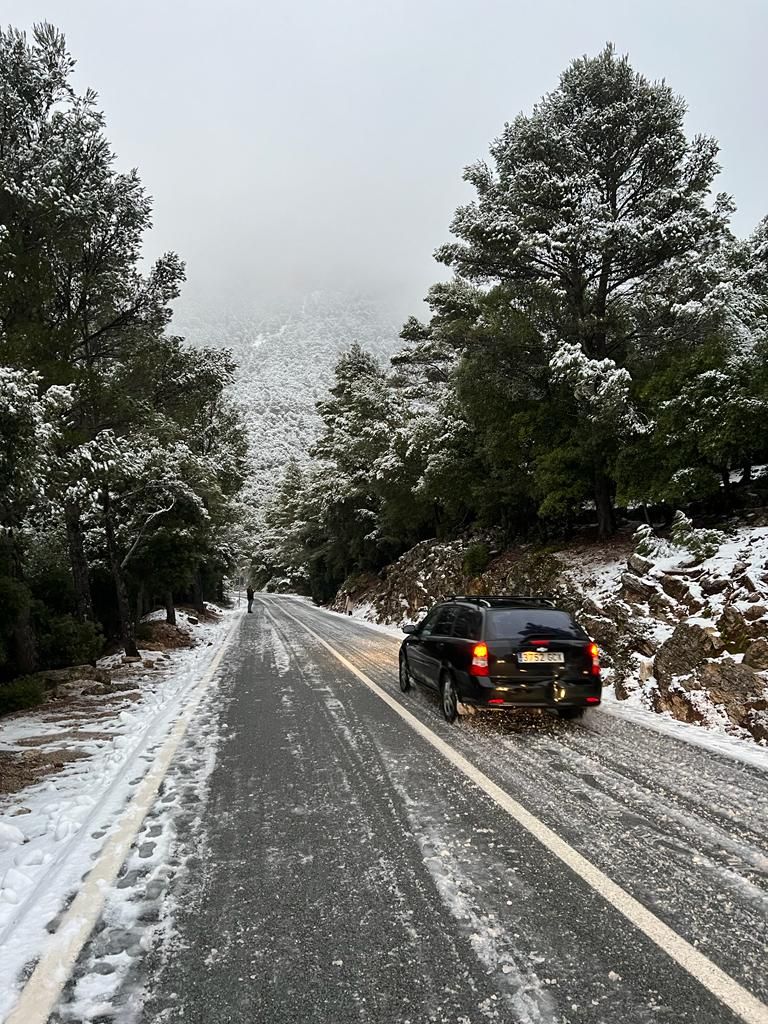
604, 342
120, 454
600, 387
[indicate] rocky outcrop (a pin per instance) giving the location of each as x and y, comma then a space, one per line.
52, 678
736, 686
689, 646
739, 628
638, 565
756, 655
679, 590
636, 590
713, 585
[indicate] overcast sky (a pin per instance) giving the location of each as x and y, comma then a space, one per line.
299, 145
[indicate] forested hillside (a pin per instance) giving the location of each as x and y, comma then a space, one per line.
285, 359
121, 454
601, 348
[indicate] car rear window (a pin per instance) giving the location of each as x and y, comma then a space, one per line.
517, 623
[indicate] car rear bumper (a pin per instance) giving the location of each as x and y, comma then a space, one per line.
500, 694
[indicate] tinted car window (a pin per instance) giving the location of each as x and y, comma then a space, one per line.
467, 624
518, 623
428, 625
445, 620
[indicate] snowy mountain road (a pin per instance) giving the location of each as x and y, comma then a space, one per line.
335, 866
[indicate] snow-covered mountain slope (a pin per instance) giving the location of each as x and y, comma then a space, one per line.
286, 358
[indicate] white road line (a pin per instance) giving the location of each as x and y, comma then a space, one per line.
41, 993
730, 993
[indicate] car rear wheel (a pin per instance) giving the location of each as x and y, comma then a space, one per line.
570, 713
405, 675
449, 699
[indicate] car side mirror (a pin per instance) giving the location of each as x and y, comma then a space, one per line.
409, 628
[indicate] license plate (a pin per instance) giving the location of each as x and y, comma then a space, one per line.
541, 658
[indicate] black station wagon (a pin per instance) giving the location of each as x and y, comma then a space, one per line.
502, 652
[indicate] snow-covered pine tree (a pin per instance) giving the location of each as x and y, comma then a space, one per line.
587, 197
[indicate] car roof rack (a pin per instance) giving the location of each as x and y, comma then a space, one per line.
488, 600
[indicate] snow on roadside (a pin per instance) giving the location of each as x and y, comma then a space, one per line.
110, 979
52, 831
716, 740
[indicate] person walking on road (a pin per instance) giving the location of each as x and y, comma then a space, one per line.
249, 595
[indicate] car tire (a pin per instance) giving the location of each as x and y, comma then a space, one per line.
449, 698
569, 714
405, 675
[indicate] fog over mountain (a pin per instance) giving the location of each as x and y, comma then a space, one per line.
286, 356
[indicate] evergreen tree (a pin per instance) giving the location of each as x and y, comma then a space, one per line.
590, 197
144, 456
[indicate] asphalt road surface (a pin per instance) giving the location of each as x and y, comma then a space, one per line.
316, 859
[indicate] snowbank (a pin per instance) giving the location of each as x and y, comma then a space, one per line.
51, 831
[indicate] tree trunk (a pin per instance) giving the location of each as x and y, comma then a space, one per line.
746, 474
170, 608
606, 517
22, 634
197, 593
78, 562
123, 606
140, 602
725, 476
24, 647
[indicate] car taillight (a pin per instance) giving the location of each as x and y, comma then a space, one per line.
479, 666
593, 651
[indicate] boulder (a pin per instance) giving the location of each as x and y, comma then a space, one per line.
736, 687
623, 687
663, 607
756, 655
591, 607
689, 646
755, 612
644, 669
646, 645
679, 590
757, 723
600, 628
638, 565
733, 627
713, 585
53, 677
636, 590
131, 659
674, 699
746, 582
